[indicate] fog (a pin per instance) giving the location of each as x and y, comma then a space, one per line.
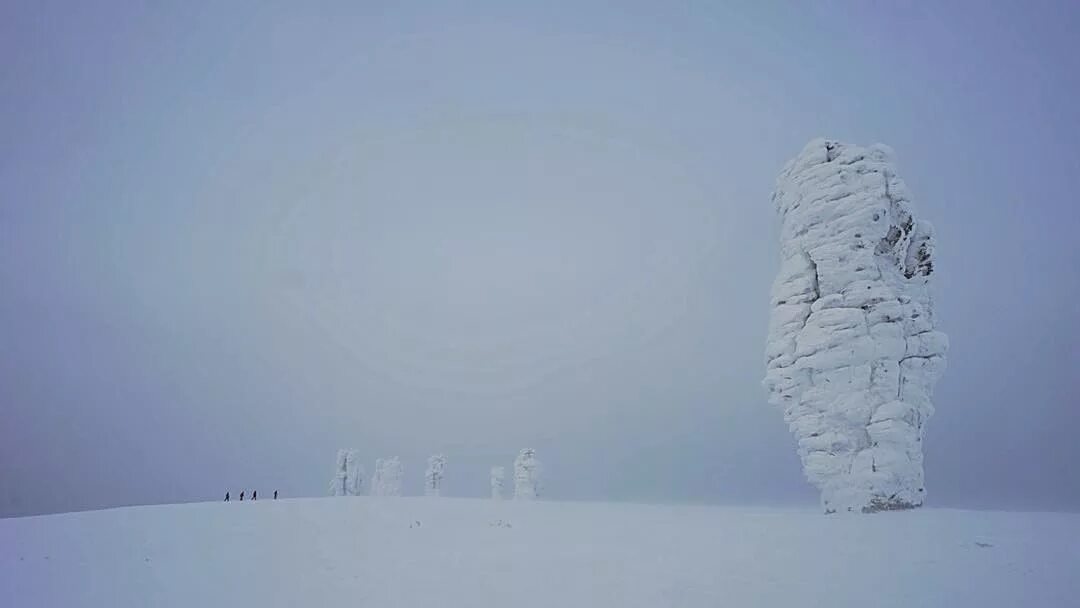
234, 240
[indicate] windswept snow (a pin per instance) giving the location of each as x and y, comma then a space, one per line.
419, 552
852, 354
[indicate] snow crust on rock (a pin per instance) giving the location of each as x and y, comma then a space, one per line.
348, 479
498, 474
852, 353
433, 477
526, 475
388, 475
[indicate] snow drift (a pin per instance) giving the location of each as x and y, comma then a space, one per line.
477, 553
852, 353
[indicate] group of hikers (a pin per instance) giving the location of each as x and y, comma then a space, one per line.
254, 495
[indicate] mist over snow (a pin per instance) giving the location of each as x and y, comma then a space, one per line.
236, 238
382, 304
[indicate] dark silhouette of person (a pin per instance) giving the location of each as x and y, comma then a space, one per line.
226, 497
254, 494
241, 496
275, 494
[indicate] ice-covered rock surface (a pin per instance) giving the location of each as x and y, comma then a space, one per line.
388, 475
433, 477
348, 479
527, 470
852, 353
498, 474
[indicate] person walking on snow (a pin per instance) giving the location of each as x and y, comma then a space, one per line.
254, 494
275, 494
241, 496
226, 497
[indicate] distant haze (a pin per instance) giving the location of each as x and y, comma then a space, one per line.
234, 239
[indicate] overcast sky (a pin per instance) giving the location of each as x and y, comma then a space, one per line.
234, 239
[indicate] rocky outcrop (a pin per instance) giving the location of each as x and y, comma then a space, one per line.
388, 475
852, 354
526, 475
348, 477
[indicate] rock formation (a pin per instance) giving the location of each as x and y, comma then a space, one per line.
388, 475
498, 474
852, 354
348, 477
526, 475
433, 477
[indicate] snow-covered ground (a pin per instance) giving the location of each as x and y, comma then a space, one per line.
361, 551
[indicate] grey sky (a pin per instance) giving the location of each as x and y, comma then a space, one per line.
235, 239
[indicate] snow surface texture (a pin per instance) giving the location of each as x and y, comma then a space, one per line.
477, 553
526, 475
852, 354
498, 475
348, 477
388, 475
433, 477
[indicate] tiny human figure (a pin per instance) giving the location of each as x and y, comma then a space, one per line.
241, 496
226, 497
275, 494
254, 494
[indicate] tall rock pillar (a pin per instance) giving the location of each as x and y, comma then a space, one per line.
852, 354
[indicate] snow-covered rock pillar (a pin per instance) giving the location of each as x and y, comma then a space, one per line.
337, 482
498, 474
526, 475
354, 474
433, 477
388, 475
852, 354
348, 474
